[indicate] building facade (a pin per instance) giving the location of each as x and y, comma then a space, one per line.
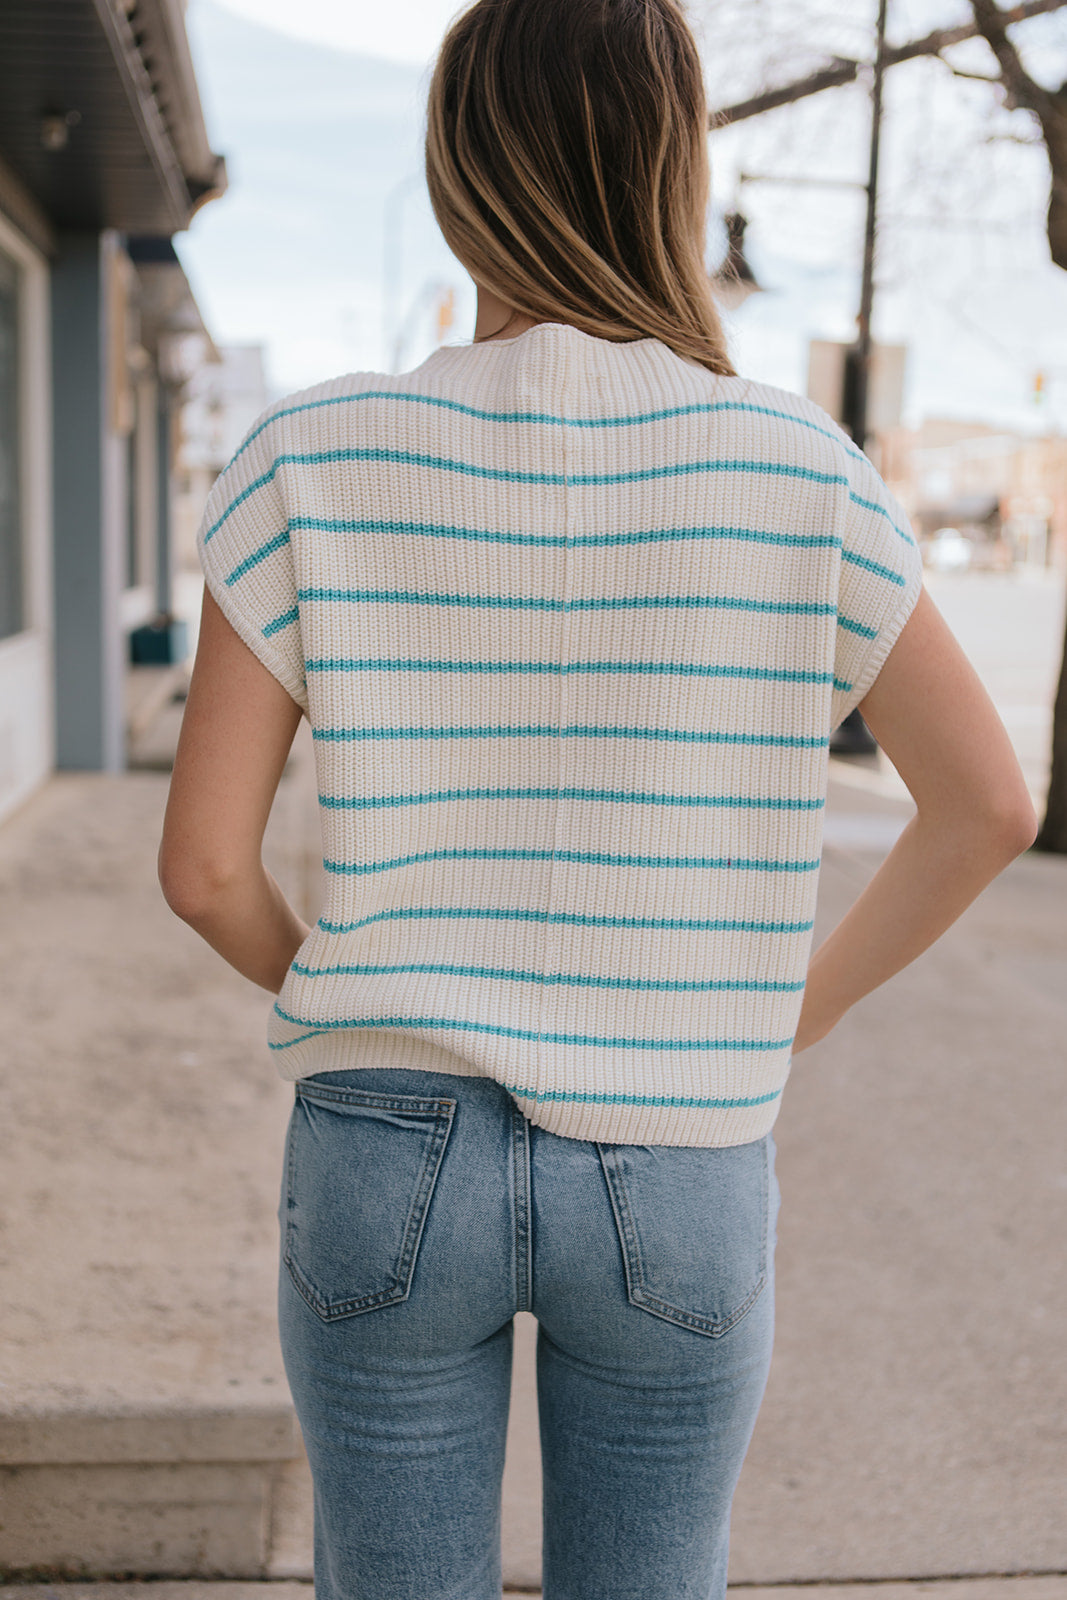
104, 156
1005, 490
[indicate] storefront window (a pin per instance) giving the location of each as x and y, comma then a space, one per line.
11, 618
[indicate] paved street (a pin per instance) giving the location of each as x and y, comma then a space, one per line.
1037, 1588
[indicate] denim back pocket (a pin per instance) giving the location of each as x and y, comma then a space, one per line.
360, 1170
692, 1225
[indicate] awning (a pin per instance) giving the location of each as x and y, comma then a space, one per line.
966, 510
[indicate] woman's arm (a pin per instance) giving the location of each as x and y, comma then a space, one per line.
939, 728
237, 732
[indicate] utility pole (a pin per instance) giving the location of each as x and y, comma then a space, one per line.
858, 356
853, 737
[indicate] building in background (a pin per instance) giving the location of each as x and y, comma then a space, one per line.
885, 392
104, 156
1005, 492
222, 399
1001, 494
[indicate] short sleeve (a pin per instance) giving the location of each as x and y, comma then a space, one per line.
247, 559
881, 576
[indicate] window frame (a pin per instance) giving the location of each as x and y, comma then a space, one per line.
33, 406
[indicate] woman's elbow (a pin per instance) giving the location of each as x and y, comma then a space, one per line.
1008, 823
1018, 825
995, 827
192, 885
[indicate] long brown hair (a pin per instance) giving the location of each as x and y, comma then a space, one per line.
567, 164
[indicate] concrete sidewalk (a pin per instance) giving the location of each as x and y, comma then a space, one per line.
1032, 1588
913, 1426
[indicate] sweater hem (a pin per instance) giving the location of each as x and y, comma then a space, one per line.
698, 1119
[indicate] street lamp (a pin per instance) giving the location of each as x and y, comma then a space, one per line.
734, 280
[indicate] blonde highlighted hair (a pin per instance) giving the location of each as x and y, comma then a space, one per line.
567, 164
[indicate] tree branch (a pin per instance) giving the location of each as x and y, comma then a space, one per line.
979, 77
841, 70
992, 24
1049, 106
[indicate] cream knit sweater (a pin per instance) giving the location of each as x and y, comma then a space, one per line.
572, 621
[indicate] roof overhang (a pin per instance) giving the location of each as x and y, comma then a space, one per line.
100, 117
171, 326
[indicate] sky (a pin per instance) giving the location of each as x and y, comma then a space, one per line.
325, 249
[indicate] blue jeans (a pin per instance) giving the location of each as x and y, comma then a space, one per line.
420, 1211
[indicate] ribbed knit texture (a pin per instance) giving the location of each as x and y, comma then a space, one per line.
572, 621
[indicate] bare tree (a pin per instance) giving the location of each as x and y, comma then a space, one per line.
843, 70
1049, 108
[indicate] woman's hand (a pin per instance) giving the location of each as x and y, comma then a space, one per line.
236, 735
811, 1028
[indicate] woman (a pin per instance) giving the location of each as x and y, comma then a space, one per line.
572, 611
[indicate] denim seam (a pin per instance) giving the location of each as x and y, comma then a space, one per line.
367, 1097
520, 1156
420, 1202
415, 1222
624, 1221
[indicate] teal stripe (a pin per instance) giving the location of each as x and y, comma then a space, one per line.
685, 669
375, 802
284, 621
250, 489
697, 408
413, 458
517, 975
594, 1097
787, 741
531, 1033
682, 602
562, 540
289, 1043
803, 608
419, 458
874, 505
573, 919
601, 858
265, 550
873, 566
857, 627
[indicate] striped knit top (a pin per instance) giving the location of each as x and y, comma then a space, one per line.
572, 621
